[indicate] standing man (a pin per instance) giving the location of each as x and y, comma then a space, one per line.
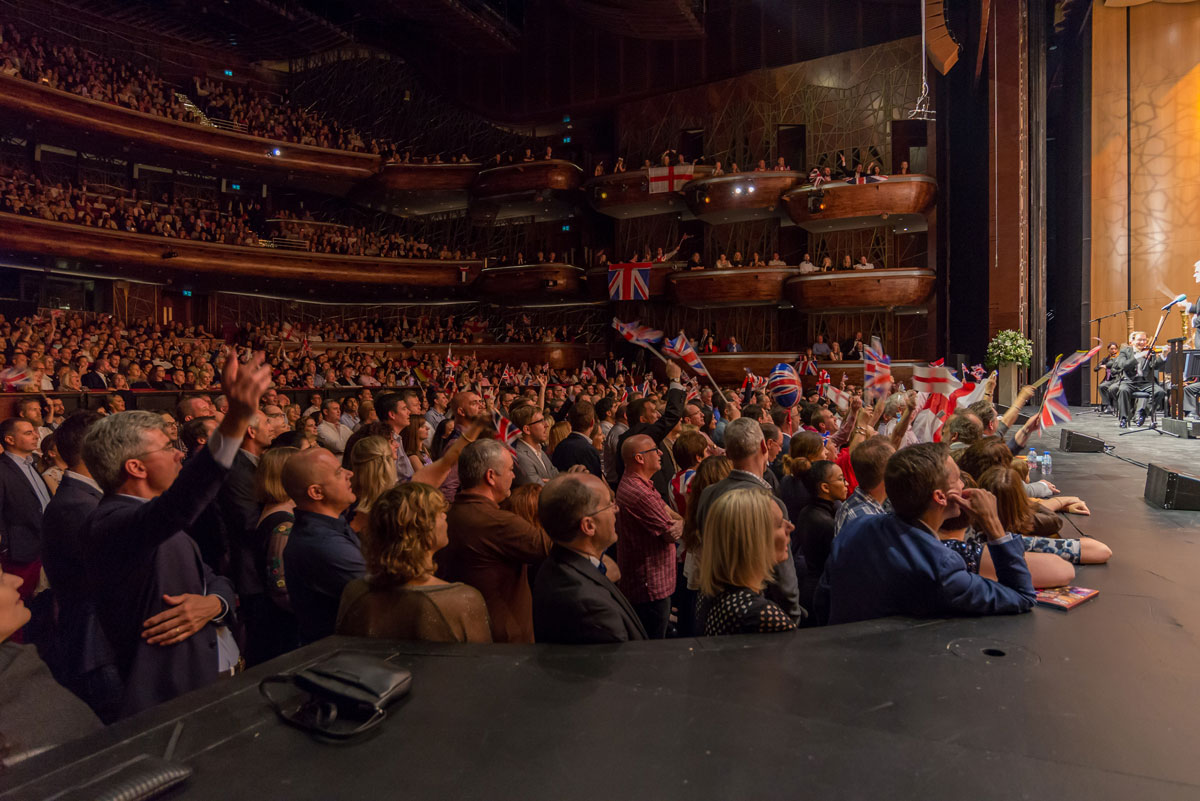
577, 448
332, 433
648, 530
644, 417
323, 554
164, 611
489, 548
533, 465
394, 413
23, 498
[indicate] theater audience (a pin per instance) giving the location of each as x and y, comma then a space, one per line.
745, 537
373, 464
323, 553
814, 528
532, 463
869, 461
401, 598
805, 448
892, 564
488, 548
577, 448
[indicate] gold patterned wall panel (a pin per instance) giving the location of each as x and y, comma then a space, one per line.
1164, 79
846, 101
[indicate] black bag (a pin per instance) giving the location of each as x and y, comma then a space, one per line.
347, 685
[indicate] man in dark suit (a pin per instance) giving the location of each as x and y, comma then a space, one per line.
644, 417
164, 611
95, 377
1136, 366
894, 564
89, 666
577, 448
574, 601
23, 497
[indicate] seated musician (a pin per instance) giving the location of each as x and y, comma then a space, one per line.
1108, 381
1135, 366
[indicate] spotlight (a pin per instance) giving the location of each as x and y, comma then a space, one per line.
276, 152
737, 190
750, 189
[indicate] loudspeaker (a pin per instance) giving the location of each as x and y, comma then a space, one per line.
1074, 442
1171, 489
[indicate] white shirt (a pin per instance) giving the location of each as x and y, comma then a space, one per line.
333, 436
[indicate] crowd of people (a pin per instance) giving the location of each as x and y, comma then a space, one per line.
148, 553
236, 222
358, 240
68, 354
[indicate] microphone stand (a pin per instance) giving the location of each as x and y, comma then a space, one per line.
1136, 307
1149, 363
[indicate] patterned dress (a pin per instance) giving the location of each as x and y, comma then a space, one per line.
740, 611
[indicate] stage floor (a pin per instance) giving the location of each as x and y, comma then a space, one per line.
1144, 447
1102, 702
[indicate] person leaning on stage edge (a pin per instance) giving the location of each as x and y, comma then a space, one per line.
894, 564
164, 611
574, 601
491, 549
648, 530
323, 554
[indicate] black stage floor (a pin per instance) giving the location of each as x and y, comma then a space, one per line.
1102, 702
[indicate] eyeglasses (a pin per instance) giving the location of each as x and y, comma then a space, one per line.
612, 506
650, 450
163, 449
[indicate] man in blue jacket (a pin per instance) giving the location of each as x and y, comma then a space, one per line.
893, 564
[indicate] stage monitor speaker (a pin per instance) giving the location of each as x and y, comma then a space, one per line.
1171, 489
1074, 442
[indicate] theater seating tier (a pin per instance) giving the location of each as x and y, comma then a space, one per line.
530, 282
626, 195
901, 202
865, 289
710, 289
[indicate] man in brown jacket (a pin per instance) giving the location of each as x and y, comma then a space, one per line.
490, 549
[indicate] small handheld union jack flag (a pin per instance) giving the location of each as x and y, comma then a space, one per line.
507, 431
638, 334
1054, 406
979, 372
681, 348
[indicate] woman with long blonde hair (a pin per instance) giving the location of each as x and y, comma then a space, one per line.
373, 461
708, 472
745, 536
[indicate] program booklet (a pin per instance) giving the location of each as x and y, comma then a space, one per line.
1065, 597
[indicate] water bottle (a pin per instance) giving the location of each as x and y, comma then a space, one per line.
1033, 461
1047, 468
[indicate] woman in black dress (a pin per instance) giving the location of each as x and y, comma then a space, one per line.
745, 536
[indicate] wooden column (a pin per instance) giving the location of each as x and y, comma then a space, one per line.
1009, 175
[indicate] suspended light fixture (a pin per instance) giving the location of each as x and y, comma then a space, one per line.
922, 111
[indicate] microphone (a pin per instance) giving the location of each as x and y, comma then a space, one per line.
1180, 298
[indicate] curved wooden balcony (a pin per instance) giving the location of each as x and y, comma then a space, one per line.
900, 202
223, 266
730, 368
861, 289
712, 289
740, 197
542, 190
597, 280
412, 190
529, 282
626, 195
333, 170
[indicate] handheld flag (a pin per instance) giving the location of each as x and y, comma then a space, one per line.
638, 334
680, 348
507, 431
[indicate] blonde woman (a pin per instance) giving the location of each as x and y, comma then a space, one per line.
745, 536
558, 433
708, 472
278, 635
373, 461
401, 598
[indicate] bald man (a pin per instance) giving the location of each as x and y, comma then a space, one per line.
323, 553
648, 530
464, 407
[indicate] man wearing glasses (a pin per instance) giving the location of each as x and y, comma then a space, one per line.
533, 465
648, 530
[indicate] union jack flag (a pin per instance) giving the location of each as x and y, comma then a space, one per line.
979, 372
1075, 359
507, 432
629, 281
637, 334
680, 348
692, 393
1054, 407
823, 378
877, 368
645, 390
808, 367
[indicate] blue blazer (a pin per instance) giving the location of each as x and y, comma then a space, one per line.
138, 552
880, 566
577, 450
20, 515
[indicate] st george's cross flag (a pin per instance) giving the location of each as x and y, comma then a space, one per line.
670, 179
936, 380
629, 281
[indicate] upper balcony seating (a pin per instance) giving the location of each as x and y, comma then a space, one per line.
900, 202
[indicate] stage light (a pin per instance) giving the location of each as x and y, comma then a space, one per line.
750, 189
737, 190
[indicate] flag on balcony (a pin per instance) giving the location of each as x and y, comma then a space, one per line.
670, 179
629, 281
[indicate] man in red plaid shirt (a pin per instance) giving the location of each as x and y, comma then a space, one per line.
647, 530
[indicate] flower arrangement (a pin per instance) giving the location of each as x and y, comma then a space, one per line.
1009, 346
